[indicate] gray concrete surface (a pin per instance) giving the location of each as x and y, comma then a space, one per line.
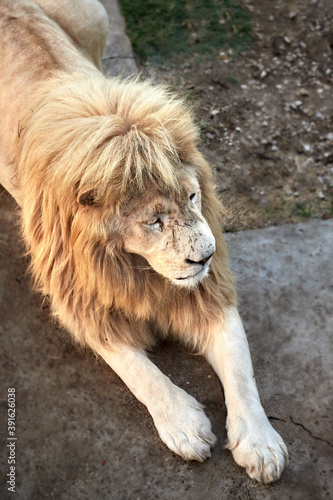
118, 57
82, 435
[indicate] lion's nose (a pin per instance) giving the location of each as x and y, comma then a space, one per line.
201, 262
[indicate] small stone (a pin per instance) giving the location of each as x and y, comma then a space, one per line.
302, 163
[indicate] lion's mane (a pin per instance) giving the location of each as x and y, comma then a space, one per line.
115, 137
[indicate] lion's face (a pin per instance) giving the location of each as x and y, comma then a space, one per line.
171, 235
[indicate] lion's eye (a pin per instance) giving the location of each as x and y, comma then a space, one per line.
193, 198
155, 223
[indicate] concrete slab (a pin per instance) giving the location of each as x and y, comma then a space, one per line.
118, 57
82, 435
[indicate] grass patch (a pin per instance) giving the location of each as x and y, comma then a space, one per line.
303, 210
167, 28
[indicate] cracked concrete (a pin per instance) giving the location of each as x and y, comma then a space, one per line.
118, 56
82, 435
307, 430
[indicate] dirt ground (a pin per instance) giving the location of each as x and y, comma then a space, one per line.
266, 116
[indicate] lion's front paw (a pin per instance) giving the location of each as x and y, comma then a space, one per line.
184, 427
259, 449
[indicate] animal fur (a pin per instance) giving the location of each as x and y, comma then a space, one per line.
92, 132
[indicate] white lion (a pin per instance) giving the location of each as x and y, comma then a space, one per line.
121, 222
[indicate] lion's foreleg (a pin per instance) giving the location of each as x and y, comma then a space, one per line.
251, 438
178, 417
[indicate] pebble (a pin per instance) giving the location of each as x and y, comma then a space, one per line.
302, 162
307, 148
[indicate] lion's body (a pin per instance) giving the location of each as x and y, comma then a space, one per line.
118, 209
70, 129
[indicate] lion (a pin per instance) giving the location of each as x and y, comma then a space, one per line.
122, 224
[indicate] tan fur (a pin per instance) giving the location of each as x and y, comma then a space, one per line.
80, 131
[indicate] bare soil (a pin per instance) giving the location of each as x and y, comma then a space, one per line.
266, 116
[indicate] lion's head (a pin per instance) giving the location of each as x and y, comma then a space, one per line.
167, 229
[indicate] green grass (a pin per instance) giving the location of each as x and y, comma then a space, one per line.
303, 210
170, 28
331, 207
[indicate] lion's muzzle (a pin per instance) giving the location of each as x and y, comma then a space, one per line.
202, 262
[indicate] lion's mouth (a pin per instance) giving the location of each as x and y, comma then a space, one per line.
196, 275
191, 276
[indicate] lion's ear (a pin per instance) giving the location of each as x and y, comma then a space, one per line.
86, 197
